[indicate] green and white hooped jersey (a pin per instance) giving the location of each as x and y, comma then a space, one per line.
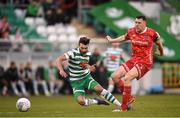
74, 59
113, 58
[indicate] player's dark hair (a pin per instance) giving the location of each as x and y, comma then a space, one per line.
141, 17
84, 40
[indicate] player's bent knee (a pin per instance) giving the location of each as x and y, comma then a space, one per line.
127, 82
115, 77
127, 79
98, 89
81, 102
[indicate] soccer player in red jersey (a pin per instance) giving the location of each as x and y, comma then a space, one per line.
142, 39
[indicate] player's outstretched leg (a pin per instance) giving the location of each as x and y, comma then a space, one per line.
110, 85
120, 85
106, 95
87, 101
101, 102
127, 100
109, 97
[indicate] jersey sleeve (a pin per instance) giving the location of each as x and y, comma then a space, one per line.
156, 36
69, 54
127, 37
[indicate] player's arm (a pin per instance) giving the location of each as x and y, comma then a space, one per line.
86, 65
93, 66
59, 65
159, 50
116, 40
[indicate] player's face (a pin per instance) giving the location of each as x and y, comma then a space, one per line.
140, 25
21, 66
83, 48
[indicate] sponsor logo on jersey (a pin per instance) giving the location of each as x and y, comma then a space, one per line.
146, 37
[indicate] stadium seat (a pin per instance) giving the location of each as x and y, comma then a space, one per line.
70, 30
40, 21
30, 21
63, 38
52, 37
72, 38
60, 30
51, 29
20, 13
41, 30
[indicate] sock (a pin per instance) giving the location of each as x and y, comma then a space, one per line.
45, 88
23, 87
16, 92
109, 97
90, 102
58, 88
120, 85
4, 91
110, 88
35, 87
51, 85
125, 97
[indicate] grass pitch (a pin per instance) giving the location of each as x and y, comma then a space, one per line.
66, 106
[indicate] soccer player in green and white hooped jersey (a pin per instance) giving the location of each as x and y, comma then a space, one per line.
113, 59
79, 75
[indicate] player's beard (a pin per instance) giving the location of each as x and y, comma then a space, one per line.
138, 30
82, 53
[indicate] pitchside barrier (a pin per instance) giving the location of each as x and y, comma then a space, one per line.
171, 75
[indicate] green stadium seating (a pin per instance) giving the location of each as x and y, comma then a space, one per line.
28, 33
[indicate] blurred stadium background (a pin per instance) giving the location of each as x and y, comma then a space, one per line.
34, 32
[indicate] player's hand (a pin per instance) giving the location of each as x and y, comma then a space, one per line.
63, 74
108, 38
83, 65
157, 52
92, 68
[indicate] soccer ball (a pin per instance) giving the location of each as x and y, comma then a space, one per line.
23, 104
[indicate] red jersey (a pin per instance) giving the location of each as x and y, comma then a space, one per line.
142, 44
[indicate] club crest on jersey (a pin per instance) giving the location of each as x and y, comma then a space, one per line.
133, 35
